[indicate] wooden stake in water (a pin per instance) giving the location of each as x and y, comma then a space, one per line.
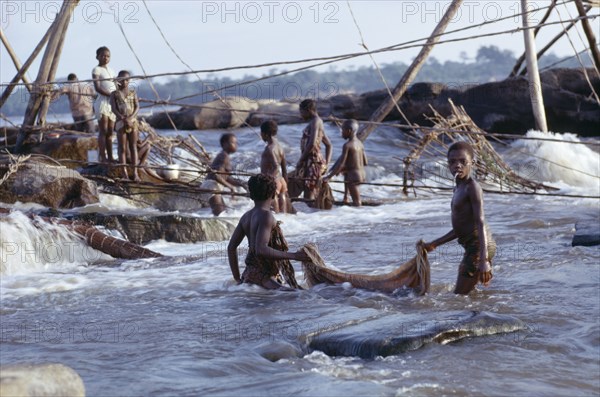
535, 84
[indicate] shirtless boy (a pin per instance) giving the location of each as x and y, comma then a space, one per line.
468, 223
220, 176
272, 163
257, 225
103, 77
351, 163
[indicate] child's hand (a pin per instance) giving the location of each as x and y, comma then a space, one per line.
428, 247
301, 256
485, 273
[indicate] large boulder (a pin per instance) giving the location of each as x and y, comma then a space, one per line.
282, 112
68, 147
28, 380
230, 112
43, 182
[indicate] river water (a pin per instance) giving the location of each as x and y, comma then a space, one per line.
179, 325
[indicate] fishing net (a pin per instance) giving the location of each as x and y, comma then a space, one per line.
414, 274
491, 171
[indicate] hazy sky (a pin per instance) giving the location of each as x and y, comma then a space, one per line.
215, 34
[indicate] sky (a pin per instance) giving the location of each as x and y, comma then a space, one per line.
217, 34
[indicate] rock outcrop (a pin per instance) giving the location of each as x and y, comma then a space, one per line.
40, 380
141, 229
42, 181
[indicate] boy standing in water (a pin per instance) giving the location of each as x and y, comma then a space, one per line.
220, 175
351, 163
125, 105
312, 165
468, 223
267, 250
103, 77
272, 163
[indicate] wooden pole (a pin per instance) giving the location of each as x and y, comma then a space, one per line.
14, 58
385, 108
535, 32
535, 84
589, 33
550, 44
9, 89
52, 73
44, 76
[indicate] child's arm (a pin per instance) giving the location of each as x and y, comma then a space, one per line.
446, 238
136, 106
236, 239
327, 143
115, 108
283, 166
339, 163
476, 196
97, 85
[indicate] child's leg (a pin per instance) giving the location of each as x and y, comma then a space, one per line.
102, 127
122, 148
132, 139
464, 282
346, 190
110, 126
282, 202
217, 204
354, 193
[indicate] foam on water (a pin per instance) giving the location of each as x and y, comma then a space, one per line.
572, 167
29, 246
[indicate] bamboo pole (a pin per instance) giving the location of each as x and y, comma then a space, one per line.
14, 58
535, 84
535, 33
589, 33
385, 108
9, 89
52, 73
44, 76
550, 44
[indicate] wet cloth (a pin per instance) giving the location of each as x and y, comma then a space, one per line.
259, 270
314, 165
469, 265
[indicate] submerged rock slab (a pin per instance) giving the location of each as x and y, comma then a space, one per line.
25, 380
587, 232
399, 333
141, 229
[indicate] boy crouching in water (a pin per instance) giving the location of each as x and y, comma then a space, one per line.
468, 223
264, 262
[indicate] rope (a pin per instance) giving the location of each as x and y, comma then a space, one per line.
342, 57
579, 58
387, 87
15, 163
219, 97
